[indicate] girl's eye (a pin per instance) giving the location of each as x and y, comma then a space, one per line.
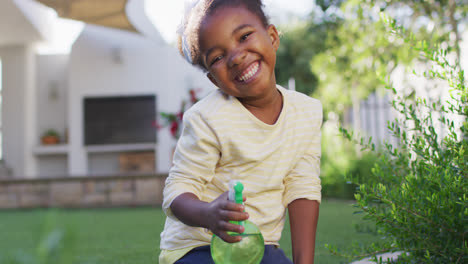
245, 36
216, 59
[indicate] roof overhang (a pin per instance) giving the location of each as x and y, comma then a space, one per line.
108, 13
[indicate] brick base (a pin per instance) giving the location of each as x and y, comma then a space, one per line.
72, 192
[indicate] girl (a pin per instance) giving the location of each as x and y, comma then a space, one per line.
250, 129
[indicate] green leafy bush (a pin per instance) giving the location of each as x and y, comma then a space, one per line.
339, 158
418, 195
337, 169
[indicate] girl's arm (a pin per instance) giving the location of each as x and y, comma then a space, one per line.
214, 216
303, 217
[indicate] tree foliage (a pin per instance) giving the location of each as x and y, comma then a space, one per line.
299, 44
445, 18
335, 56
417, 196
356, 50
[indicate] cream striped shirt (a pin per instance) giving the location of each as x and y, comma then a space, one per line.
222, 140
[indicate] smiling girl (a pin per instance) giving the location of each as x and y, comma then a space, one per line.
250, 129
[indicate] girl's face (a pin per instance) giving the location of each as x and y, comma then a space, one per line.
239, 52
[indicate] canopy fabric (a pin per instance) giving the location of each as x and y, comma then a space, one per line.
108, 13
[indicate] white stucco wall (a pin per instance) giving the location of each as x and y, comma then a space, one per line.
52, 107
15, 25
145, 67
18, 106
52, 94
38, 16
46, 91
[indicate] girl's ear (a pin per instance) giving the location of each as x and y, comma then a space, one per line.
274, 36
212, 79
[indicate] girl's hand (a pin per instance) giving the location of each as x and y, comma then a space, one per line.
220, 212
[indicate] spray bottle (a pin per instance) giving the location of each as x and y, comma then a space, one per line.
247, 251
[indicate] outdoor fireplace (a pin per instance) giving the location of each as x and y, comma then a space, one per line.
119, 120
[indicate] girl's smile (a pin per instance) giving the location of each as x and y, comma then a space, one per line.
249, 74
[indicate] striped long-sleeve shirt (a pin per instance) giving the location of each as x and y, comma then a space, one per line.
222, 140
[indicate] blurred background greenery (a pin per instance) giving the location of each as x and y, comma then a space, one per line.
338, 53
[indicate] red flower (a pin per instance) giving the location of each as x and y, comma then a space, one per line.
174, 120
193, 96
180, 115
174, 128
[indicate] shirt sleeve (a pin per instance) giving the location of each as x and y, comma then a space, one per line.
194, 162
303, 181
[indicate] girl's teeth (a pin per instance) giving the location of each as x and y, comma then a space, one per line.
250, 73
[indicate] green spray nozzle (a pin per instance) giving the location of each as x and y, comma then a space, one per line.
238, 188
235, 195
235, 192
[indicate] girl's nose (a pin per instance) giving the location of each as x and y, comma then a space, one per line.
237, 57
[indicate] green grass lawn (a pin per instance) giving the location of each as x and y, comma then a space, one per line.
131, 235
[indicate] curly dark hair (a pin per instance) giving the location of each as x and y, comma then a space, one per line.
190, 27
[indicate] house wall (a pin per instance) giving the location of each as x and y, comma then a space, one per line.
16, 27
18, 108
51, 113
46, 91
107, 62
52, 94
37, 16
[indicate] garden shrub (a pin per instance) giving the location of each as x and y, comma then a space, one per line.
418, 195
335, 183
339, 158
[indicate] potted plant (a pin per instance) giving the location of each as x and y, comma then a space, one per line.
174, 120
50, 137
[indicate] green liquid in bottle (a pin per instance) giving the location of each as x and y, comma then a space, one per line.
247, 251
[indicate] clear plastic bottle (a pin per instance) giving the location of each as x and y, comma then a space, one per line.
247, 251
